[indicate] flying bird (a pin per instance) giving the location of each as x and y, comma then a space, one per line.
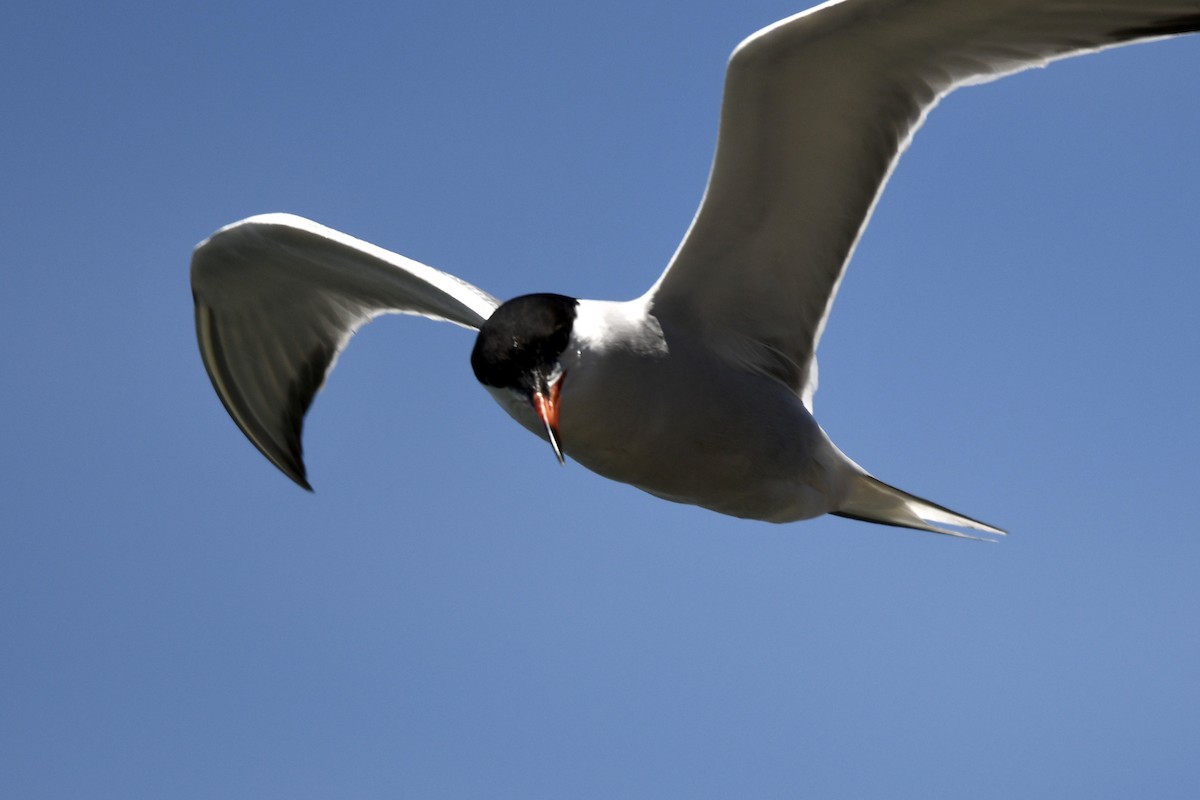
699, 391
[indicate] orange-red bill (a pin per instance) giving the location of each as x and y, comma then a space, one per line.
546, 406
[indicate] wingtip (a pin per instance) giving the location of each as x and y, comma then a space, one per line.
290, 464
286, 456
298, 472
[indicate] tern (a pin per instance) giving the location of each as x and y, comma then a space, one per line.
700, 391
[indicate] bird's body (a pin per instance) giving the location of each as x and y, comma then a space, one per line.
626, 377
699, 391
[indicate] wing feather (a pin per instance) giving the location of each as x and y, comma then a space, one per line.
278, 297
817, 109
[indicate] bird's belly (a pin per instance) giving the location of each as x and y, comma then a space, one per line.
738, 444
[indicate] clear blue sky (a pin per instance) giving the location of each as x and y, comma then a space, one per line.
452, 614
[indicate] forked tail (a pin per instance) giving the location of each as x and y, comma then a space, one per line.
872, 500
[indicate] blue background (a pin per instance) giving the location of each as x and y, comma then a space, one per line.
454, 615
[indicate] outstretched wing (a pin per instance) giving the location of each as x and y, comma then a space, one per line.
816, 111
277, 298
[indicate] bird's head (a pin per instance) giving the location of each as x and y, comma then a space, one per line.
519, 349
